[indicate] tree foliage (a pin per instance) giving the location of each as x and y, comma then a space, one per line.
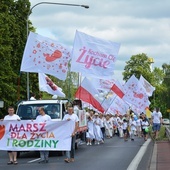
159, 78
13, 36
138, 65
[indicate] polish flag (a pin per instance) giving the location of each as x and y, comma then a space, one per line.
117, 90
87, 92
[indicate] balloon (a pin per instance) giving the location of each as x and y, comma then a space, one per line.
135, 118
146, 129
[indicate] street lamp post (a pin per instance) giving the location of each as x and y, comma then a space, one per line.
47, 3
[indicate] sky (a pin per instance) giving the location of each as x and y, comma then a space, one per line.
140, 26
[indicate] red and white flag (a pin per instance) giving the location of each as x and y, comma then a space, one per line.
47, 85
117, 89
87, 92
94, 57
147, 86
44, 55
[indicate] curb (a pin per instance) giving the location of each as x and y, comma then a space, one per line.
135, 162
154, 158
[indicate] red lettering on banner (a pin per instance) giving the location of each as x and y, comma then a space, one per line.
90, 60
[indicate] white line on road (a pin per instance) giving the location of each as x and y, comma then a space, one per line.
135, 162
34, 160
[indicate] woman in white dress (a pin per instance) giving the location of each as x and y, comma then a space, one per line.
97, 129
90, 133
109, 127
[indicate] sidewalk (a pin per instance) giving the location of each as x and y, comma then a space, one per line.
161, 156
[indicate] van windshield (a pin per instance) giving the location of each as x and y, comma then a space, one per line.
27, 112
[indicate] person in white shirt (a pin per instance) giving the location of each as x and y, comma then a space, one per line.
120, 126
54, 114
42, 117
156, 120
145, 125
97, 129
71, 116
102, 126
125, 129
132, 124
12, 116
33, 96
90, 133
109, 127
138, 126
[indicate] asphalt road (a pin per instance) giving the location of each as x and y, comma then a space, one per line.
114, 154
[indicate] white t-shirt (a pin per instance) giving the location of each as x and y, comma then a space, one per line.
156, 117
138, 122
145, 124
13, 117
125, 125
133, 125
73, 117
43, 118
32, 98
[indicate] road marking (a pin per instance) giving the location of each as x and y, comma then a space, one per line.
34, 160
135, 162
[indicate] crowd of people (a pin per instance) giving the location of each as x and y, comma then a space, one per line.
100, 126
127, 126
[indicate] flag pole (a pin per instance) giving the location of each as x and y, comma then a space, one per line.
27, 27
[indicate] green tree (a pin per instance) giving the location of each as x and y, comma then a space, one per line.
13, 15
159, 78
138, 65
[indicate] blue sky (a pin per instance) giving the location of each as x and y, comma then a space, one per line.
139, 26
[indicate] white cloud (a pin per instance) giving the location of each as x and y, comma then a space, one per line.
140, 26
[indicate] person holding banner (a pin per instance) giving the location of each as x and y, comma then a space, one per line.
43, 117
70, 116
12, 116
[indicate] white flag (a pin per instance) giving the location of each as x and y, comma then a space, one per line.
118, 105
47, 85
102, 84
135, 94
94, 57
44, 55
147, 86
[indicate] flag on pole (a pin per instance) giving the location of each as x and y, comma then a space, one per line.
135, 94
94, 57
47, 85
87, 92
44, 55
103, 84
115, 88
147, 86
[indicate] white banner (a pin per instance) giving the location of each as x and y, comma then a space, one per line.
44, 55
27, 135
94, 57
